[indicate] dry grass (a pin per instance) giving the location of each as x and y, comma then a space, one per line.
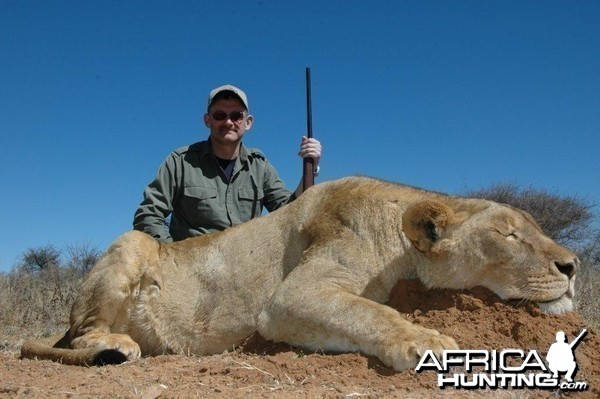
35, 304
588, 295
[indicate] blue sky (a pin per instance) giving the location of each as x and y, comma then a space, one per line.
444, 95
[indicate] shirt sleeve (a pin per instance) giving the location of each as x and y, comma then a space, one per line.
157, 204
276, 194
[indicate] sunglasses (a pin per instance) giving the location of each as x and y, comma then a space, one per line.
235, 116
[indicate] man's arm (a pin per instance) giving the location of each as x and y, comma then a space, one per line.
276, 194
157, 204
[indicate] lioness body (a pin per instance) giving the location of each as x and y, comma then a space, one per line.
314, 274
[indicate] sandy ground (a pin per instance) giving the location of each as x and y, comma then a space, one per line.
263, 369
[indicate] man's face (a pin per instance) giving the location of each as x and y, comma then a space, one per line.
226, 124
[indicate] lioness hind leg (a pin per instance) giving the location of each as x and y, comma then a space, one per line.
326, 317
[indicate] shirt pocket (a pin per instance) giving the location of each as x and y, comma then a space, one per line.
201, 206
250, 202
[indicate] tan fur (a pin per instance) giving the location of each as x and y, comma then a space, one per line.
314, 273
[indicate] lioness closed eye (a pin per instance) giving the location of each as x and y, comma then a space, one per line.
314, 274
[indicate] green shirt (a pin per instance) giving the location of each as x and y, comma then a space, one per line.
192, 188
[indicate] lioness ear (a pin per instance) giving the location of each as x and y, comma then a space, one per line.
424, 222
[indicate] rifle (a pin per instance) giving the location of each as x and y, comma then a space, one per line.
576, 340
308, 178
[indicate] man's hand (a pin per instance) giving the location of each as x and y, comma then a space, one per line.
310, 148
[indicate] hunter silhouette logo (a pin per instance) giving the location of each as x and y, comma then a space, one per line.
508, 368
560, 356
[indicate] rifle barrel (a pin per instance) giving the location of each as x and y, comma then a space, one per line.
308, 178
309, 131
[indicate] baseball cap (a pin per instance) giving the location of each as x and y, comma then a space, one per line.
237, 91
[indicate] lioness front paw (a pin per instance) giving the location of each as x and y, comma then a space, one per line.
407, 354
119, 342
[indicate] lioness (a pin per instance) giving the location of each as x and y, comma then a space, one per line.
314, 274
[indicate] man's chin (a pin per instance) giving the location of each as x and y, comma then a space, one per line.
558, 306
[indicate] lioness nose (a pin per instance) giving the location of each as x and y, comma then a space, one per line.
566, 268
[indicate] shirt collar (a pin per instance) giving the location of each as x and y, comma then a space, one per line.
243, 155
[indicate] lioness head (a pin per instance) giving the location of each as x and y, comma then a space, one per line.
482, 243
